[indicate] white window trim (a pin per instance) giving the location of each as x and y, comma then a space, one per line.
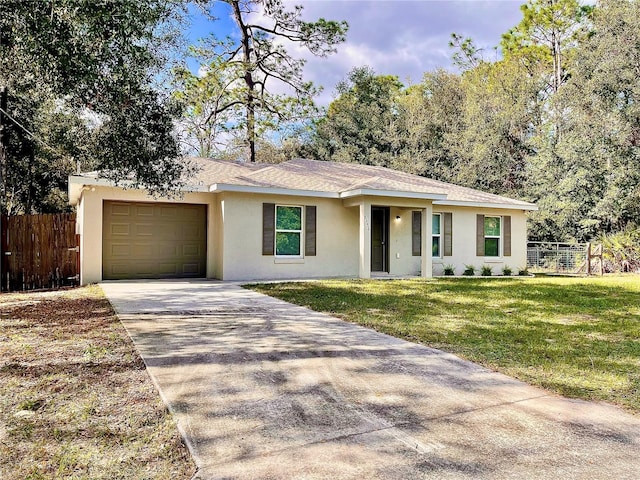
499, 237
439, 235
276, 230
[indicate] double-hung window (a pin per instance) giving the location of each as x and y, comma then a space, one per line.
288, 231
492, 236
435, 235
441, 231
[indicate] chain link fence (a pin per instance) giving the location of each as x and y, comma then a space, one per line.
557, 257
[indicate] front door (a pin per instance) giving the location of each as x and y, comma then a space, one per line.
380, 239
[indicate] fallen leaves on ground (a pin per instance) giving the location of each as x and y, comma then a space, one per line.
75, 398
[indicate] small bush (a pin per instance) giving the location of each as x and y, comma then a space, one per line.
523, 272
506, 271
621, 250
469, 270
486, 271
449, 270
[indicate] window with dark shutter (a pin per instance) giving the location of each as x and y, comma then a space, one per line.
310, 231
268, 228
416, 234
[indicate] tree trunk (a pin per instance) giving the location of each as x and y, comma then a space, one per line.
251, 124
247, 49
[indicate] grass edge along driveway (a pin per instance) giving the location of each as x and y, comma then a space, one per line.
579, 337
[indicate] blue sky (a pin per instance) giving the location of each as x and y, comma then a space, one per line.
397, 37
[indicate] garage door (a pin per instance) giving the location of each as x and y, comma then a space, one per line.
153, 240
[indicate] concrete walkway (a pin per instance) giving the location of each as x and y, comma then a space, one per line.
262, 389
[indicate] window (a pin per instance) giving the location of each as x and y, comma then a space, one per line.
288, 231
441, 234
282, 232
435, 239
492, 236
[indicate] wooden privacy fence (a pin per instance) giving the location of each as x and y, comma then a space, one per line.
39, 251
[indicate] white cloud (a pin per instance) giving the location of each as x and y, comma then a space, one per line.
398, 37
403, 38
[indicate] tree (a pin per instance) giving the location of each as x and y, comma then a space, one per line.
427, 114
467, 55
205, 122
257, 63
491, 146
546, 43
596, 187
549, 30
76, 70
358, 123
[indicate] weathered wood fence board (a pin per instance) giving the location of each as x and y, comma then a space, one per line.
39, 251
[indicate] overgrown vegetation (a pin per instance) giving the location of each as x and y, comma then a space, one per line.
575, 336
82, 90
75, 398
621, 251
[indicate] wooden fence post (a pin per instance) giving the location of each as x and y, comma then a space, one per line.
589, 258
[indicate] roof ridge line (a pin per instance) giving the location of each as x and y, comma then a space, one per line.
259, 170
359, 183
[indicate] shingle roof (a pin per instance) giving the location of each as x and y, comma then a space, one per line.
337, 179
333, 177
210, 171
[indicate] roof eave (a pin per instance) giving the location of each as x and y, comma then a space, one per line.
370, 192
78, 182
508, 206
226, 187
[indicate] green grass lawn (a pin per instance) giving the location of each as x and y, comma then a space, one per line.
579, 337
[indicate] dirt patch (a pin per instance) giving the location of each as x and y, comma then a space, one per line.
75, 398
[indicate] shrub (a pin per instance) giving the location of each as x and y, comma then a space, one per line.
621, 250
523, 272
486, 271
469, 270
506, 271
449, 270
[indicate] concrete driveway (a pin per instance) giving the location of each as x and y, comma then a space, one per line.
262, 389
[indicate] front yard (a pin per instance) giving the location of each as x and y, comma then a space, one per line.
75, 398
579, 337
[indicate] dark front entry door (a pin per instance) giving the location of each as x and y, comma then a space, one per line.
380, 239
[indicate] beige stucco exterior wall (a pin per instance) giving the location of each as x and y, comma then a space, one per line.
336, 240
234, 236
90, 226
215, 240
464, 240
